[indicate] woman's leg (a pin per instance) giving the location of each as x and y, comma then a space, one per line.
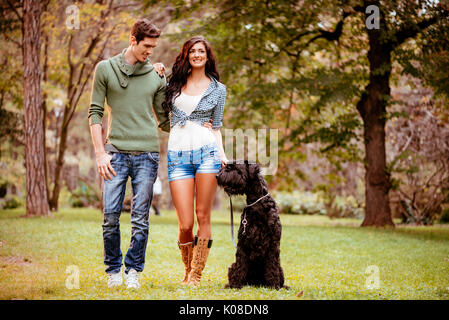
182, 193
206, 186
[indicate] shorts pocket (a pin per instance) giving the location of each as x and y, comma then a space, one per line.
215, 155
172, 159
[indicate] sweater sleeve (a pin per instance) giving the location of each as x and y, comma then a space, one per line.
217, 114
99, 87
161, 114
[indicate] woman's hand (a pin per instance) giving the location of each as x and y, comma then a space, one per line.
159, 68
223, 159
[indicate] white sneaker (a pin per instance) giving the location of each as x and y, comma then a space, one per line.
132, 279
115, 279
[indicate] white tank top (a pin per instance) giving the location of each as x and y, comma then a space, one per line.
192, 135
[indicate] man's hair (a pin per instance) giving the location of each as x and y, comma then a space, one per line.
144, 28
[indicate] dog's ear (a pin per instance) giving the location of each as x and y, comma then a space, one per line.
254, 169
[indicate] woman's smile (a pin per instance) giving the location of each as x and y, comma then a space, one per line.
198, 55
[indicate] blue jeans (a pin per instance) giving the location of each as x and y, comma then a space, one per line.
143, 172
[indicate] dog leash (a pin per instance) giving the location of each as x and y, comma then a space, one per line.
232, 223
244, 221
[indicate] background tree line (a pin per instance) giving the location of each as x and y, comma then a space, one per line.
361, 112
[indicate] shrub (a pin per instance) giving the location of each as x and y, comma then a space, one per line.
444, 218
12, 202
344, 207
82, 196
298, 202
3, 188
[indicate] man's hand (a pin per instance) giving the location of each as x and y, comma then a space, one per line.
159, 68
208, 125
104, 165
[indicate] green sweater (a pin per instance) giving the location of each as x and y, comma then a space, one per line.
132, 93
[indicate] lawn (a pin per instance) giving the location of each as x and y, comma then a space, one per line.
40, 258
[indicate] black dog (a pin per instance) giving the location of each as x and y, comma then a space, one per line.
257, 257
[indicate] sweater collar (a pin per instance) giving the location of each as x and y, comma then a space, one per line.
123, 70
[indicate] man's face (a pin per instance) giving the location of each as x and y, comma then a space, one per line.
144, 48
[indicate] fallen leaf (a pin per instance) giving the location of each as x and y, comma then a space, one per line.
300, 294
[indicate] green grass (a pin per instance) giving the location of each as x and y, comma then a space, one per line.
326, 259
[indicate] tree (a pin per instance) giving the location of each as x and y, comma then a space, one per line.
374, 101
36, 196
69, 54
314, 70
75, 53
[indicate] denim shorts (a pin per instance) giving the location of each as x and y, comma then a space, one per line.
185, 164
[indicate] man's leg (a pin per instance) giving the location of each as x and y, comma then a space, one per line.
143, 175
113, 195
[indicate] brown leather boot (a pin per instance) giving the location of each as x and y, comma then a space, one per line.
200, 253
186, 256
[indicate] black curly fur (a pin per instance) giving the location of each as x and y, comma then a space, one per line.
258, 249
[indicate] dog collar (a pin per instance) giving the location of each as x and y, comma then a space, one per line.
244, 221
249, 205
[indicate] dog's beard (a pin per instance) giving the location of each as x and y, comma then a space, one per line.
232, 184
234, 188
233, 191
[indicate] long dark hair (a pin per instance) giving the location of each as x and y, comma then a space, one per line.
182, 69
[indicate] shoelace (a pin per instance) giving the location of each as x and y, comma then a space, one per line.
115, 279
132, 278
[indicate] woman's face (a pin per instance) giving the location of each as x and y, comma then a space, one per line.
198, 55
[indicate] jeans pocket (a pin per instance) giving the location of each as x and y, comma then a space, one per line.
154, 156
112, 154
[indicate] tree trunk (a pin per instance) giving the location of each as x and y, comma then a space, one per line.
45, 109
36, 197
372, 108
54, 200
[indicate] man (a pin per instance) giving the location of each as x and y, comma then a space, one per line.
133, 91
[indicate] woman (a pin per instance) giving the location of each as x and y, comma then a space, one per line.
194, 97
